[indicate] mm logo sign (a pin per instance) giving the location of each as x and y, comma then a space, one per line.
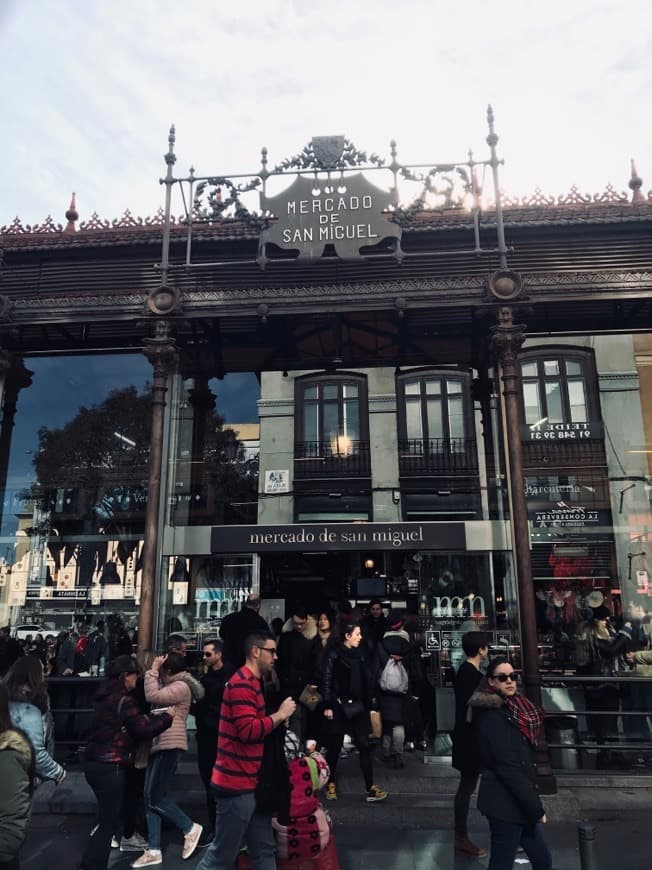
449, 606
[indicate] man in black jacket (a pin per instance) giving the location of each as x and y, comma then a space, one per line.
207, 718
299, 649
465, 752
238, 626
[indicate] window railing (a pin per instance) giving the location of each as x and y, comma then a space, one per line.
560, 454
438, 456
340, 457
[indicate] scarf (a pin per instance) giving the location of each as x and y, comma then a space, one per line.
528, 716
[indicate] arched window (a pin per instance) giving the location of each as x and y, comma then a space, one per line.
435, 409
558, 386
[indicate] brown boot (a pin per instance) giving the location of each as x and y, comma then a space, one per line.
463, 844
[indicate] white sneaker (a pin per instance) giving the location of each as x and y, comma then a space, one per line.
135, 843
149, 858
114, 842
191, 840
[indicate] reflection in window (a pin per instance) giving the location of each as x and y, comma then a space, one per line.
329, 420
554, 389
434, 411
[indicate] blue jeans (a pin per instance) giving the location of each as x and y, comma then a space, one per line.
160, 771
237, 822
506, 837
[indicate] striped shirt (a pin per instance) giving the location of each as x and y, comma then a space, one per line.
242, 729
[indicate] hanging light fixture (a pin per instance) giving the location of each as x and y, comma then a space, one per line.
180, 573
109, 575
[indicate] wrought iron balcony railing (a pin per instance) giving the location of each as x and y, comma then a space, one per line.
438, 456
340, 458
564, 454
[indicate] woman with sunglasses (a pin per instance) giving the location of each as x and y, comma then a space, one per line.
507, 725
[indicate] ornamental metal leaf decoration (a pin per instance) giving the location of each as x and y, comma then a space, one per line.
211, 204
315, 156
442, 188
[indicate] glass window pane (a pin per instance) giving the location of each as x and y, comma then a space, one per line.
311, 423
350, 390
413, 419
529, 370
351, 423
454, 386
577, 401
331, 421
553, 402
433, 386
329, 391
435, 422
412, 388
456, 419
573, 368
310, 393
532, 403
551, 367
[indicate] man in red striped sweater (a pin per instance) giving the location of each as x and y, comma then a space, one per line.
242, 730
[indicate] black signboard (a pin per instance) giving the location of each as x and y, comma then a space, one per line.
315, 537
567, 501
561, 431
313, 213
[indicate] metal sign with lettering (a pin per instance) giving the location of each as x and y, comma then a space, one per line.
345, 212
561, 431
315, 537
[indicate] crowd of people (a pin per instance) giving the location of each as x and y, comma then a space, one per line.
271, 709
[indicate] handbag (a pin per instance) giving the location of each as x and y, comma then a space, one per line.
310, 698
351, 707
141, 757
376, 724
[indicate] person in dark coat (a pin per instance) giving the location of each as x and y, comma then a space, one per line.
236, 627
373, 627
466, 757
207, 718
507, 727
346, 682
117, 726
17, 778
10, 650
299, 651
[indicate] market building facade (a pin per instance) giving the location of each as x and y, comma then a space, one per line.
407, 387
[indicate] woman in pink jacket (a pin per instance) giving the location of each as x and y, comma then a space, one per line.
168, 684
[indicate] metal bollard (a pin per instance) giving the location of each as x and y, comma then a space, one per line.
586, 833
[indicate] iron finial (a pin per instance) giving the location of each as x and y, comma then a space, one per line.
635, 184
71, 216
170, 157
492, 138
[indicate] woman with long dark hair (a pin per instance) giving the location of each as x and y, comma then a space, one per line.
29, 707
17, 778
117, 727
346, 692
507, 726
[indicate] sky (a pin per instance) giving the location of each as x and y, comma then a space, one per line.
90, 90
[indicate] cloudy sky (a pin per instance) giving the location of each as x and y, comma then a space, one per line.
90, 90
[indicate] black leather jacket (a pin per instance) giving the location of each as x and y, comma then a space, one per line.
336, 677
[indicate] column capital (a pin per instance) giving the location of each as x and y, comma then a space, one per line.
506, 337
161, 350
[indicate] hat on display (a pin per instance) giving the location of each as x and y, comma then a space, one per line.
594, 599
601, 612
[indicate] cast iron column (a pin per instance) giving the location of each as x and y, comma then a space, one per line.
506, 340
161, 351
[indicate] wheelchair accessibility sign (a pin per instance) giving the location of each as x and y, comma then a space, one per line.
433, 641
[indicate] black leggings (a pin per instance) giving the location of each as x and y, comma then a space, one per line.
359, 728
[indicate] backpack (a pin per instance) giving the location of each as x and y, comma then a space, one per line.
394, 677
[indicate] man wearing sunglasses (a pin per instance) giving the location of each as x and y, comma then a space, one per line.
207, 717
507, 727
243, 728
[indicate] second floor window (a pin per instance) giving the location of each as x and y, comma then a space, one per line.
330, 413
435, 409
554, 390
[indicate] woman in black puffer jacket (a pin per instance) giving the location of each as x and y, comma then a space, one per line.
118, 724
507, 727
346, 693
